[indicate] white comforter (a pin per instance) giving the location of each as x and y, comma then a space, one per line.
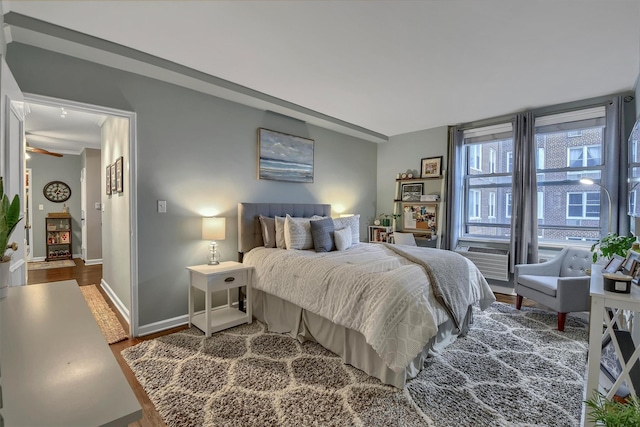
368, 288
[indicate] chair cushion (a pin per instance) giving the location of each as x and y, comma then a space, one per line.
575, 263
546, 284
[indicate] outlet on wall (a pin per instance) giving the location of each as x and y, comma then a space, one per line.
162, 206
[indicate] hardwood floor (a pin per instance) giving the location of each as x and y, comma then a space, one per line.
91, 275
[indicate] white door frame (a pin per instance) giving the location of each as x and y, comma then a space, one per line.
29, 219
83, 210
131, 315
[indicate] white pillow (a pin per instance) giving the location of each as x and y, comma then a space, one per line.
297, 233
350, 222
280, 243
342, 238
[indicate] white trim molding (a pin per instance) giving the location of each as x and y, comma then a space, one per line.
124, 311
162, 325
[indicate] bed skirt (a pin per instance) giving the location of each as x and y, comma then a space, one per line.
285, 317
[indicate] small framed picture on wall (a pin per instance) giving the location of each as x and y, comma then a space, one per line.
108, 180
119, 183
113, 178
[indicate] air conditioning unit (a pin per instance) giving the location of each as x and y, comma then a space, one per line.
492, 263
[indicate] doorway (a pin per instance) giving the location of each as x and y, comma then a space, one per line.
75, 143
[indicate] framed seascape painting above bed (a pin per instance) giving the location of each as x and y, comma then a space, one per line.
284, 157
382, 308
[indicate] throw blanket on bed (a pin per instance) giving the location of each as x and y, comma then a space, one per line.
446, 271
368, 288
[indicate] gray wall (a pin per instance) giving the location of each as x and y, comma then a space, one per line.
199, 153
404, 152
93, 216
115, 218
45, 169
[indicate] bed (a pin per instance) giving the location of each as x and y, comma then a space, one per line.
371, 304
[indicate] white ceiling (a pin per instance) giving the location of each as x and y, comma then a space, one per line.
62, 130
391, 67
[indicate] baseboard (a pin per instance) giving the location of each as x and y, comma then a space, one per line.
163, 325
38, 259
93, 261
502, 289
124, 311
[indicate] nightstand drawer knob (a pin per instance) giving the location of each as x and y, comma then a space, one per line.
229, 279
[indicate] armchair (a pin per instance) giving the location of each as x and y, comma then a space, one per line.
561, 284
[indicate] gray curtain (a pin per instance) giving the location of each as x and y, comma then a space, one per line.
614, 175
454, 184
524, 207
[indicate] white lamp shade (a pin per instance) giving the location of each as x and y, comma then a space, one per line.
213, 228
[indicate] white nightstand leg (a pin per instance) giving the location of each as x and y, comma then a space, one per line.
207, 314
248, 307
596, 318
190, 299
229, 298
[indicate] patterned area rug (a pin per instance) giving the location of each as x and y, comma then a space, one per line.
45, 265
105, 317
513, 369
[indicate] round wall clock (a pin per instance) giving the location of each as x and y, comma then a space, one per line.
57, 191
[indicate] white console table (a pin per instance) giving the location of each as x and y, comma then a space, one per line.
599, 319
56, 368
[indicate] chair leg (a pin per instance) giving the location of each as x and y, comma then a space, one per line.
518, 301
561, 319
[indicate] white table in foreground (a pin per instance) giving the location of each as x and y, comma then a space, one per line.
600, 301
57, 368
227, 275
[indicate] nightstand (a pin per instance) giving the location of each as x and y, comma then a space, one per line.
227, 275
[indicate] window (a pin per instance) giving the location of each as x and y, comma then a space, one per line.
485, 184
584, 156
492, 204
540, 158
474, 204
507, 208
509, 161
565, 159
540, 204
492, 160
475, 157
584, 205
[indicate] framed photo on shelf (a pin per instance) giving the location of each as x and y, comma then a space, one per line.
108, 180
431, 167
412, 192
628, 263
614, 265
119, 185
420, 217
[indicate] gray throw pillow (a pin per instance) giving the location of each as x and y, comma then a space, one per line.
268, 226
322, 234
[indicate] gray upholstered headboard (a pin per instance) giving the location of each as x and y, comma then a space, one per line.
249, 233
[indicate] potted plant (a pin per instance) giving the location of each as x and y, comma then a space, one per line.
386, 218
613, 413
9, 218
611, 244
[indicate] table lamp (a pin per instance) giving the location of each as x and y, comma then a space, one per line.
213, 229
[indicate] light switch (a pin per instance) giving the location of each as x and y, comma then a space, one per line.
40, 207
97, 206
162, 206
